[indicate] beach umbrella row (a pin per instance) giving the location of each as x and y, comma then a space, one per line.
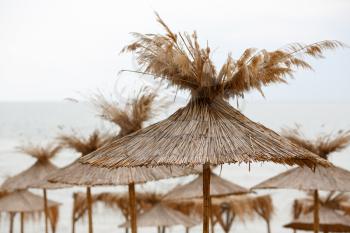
326, 179
208, 130
35, 176
23, 202
129, 119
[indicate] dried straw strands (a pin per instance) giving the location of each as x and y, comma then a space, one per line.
330, 221
162, 216
219, 187
25, 202
326, 179
34, 176
208, 131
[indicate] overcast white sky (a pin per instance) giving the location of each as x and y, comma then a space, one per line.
50, 50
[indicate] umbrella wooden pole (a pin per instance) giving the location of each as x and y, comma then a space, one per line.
22, 223
316, 212
73, 213
89, 207
46, 212
187, 230
12, 217
212, 224
206, 197
132, 207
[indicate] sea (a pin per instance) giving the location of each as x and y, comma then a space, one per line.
41, 122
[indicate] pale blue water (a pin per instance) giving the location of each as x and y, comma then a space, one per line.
20, 122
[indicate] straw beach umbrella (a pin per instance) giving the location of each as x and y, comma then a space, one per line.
219, 187
325, 179
330, 221
129, 120
162, 216
35, 176
23, 201
208, 130
75, 174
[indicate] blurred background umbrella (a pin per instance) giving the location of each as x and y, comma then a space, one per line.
322, 178
35, 176
25, 202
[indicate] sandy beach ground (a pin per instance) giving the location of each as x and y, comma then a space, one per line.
20, 122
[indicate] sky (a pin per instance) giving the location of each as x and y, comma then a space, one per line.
52, 50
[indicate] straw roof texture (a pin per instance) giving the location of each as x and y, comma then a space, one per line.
218, 187
330, 221
160, 215
326, 179
202, 132
129, 119
35, 176
87, 175
23, 201
209, 130
115, 201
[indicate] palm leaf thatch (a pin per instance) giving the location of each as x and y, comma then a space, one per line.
35, 176
323, 145
208, 130
219, 187
330, 221
162, 216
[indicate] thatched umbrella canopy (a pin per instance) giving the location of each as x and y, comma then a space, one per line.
129, 119
330, 221
78, 174
219, 187
208, 130
23, 201
35, 176
37, 173
326, 179
163, 216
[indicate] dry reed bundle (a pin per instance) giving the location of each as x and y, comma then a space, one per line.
84, 145
323, 145
209, 131
179, 58
132, 116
